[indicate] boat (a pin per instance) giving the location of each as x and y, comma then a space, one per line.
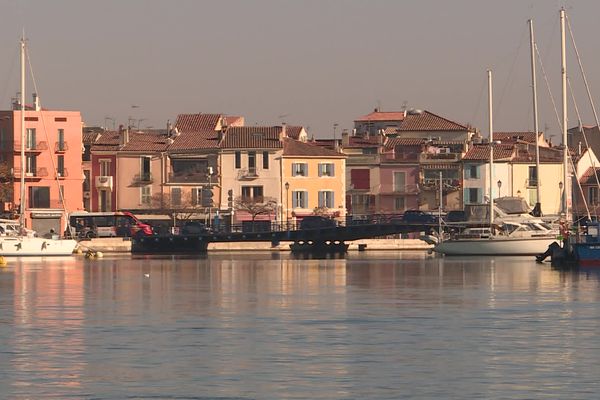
21, 241
498, 233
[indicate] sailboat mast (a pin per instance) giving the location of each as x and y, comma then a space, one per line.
538, 204
22, 100
491, 129
566, 183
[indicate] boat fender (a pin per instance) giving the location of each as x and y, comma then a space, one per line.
3, 262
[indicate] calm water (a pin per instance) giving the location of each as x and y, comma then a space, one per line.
256, 326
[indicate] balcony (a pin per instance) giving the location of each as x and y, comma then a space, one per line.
61, 147
145, 178
400, 190
439, 157
449, 185
62, 173
37, 173
36, 147
104, 182
189, 177
247, 174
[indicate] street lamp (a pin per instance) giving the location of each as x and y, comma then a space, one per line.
287, 205
499, 187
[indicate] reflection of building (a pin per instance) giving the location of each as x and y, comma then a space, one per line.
52, 172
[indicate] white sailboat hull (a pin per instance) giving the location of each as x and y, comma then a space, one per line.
35, 246
495, 246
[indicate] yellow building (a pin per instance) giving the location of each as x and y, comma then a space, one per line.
312, 181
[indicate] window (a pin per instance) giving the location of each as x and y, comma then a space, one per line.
472, 172
399, 181
146, 195
326, 199
30, 165
532, 176
175, 197
299, 199
30, 139
253, 193
105, 168
265, 160
399, 204
592, 195
60, 145
86, 180
252, 162
360, 179
196, 196
60, 165
473, 195
238, 160
39, 197
326, 169
299, 169
145, 169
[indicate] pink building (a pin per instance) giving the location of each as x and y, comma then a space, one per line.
53, 171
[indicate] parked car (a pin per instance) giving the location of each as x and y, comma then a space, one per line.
456, 216
317, 222
419, 217
193, 228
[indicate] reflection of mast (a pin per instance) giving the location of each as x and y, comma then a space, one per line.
491, 144
537, 210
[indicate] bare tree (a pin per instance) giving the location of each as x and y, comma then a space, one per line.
256, 206
182, 208
6, 184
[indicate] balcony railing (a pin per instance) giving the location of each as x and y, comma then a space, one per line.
247, 174
60, 147
32, 147
189, 177
32, 174
433, 184
405, 189
439, 157
104, 182
532, 183
142, 179
62, 173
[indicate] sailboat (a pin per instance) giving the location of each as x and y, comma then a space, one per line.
503, 236
24, 242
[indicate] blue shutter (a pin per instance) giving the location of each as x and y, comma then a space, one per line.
332, 205
294, 199
332, 169
321, 169
321, 199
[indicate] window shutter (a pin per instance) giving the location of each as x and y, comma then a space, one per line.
305, 199
331, 199
321, 167
294, 199
321, 199
194, 196
332, 165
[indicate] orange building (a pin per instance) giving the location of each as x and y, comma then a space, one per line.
53, 165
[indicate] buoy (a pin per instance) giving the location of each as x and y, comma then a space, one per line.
2, 262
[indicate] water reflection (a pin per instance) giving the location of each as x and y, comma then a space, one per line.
370, 325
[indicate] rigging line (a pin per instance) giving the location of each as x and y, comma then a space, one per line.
510, 80
481, 90
586, 145
585, 81
60, 192
548, 87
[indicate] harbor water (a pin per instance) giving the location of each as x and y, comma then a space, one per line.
372, 325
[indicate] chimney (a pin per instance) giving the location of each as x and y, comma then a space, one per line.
169, 127
36, 102
345, 138
283, 130
124, 139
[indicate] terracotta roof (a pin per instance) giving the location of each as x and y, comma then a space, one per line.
190, 141
292, 148
145, 141
382, 116
589, 178
529, 137
293, 131
426, 121
252, 137
108, 141
360, 141
482, 153
526, 154
197, 122
233, 120
90, 136
391, 143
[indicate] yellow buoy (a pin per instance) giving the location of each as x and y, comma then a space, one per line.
2, 262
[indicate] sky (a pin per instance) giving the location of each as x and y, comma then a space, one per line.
314, 63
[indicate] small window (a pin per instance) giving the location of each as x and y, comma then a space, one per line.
326, 169
326, 199
299, 169
265, 160
238, 160
60, 165
175, 197
473, 172
399, 204
146, 195
300, 199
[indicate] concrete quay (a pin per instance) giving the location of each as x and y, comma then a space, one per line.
123, 245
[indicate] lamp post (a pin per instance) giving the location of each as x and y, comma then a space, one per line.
287, 205
499, 187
